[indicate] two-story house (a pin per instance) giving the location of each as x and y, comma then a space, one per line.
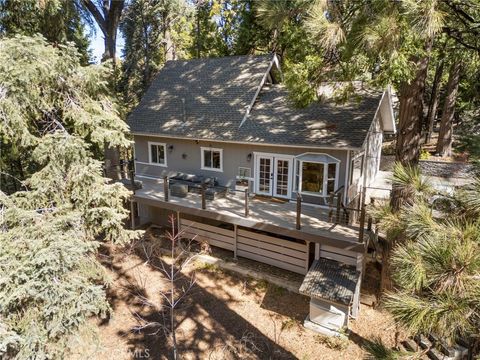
219, 145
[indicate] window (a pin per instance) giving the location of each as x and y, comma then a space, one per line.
212, 159
157, 154
243, 173
317, 174
243, 176
312, 177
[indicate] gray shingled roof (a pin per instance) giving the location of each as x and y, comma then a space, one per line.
274, 120
330, 280
200, 98
208, 98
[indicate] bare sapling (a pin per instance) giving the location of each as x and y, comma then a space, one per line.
179, 280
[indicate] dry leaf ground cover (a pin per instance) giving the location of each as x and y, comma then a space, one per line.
225, 316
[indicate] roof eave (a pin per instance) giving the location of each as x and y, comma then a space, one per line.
312, 146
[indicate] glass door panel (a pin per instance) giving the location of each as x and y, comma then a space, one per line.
282, 177
265, 175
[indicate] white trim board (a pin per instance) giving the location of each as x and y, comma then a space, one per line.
262, 82
202, 158
150, 143
297, 146
273, 181
150, 164
147, 177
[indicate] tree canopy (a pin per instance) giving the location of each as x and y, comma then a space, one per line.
57, 111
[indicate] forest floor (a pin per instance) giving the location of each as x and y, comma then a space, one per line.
224, 316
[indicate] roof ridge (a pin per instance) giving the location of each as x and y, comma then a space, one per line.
219, 57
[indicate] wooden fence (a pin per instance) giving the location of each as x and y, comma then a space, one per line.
284, 254
344, 256
213, 235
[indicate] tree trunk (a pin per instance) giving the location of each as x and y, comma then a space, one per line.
410, 116
168, 45
444, 144
197, 21
434, 100
386, 275
407, 151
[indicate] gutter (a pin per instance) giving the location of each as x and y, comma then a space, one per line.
306, 146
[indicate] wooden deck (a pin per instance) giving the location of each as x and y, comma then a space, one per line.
264, 214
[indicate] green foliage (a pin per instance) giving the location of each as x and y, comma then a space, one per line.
412, 182
57, 20
39, 96
151, 30
469, 196
300, 77
425, 155
436, 261
436, 270
379, 351
207, 40
56, 112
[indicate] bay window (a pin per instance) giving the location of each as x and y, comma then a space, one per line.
317, 174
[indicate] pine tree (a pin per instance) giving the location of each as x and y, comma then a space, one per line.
155, 31
435, 259
57, 113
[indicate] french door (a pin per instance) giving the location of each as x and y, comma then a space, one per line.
273, 174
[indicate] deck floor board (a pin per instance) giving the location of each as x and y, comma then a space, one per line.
314, 220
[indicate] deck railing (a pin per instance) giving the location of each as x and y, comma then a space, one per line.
338, 213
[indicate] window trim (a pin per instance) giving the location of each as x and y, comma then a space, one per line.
150, 143
324, 193
202, 158
238, 177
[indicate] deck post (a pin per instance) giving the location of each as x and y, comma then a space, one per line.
165, 188
132, 214
307, 258
330, 207
362, 215
247, 210
370, 220
132, 180
204, 201
299, 211
235, 234
339, 206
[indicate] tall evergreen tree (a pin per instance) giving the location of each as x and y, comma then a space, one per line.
57, 20
155, 31
107, 14
207, 40
57, 113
